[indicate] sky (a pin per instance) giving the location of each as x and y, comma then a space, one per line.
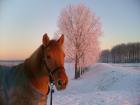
23, 23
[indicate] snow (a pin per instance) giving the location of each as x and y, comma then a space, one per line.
103, 84
10, 63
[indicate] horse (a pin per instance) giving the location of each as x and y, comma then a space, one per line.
28, 83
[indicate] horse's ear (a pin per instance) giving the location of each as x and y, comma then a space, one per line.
61, 40
45, 39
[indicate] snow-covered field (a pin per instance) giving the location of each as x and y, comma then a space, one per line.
103, 84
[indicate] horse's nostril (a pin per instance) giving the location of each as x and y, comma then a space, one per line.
59, 82
65, 83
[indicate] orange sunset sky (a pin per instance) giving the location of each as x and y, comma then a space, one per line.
23, 23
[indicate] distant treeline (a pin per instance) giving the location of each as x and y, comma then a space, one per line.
122, 53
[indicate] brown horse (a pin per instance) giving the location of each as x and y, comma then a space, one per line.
28, 83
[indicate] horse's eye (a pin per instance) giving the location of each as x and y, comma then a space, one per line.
48, 57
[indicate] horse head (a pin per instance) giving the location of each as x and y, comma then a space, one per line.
53, 55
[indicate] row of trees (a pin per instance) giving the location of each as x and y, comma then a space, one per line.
82, 29
123, 53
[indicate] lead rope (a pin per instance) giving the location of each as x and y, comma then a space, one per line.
51, 83
52, 91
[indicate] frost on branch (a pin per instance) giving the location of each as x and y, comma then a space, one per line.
82, 29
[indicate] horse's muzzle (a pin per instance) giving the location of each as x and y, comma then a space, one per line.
61, 84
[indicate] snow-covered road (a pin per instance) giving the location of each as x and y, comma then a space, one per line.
104, 84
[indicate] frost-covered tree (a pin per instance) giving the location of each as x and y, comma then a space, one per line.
82, 29
122, 53
105, 56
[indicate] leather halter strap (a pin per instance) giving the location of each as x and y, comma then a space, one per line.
50, 72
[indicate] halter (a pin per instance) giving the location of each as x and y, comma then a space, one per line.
50, 72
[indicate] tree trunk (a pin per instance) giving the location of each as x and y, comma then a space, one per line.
76, 67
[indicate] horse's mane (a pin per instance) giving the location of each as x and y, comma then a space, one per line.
34, 62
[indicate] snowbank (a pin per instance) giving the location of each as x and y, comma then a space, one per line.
104, 84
